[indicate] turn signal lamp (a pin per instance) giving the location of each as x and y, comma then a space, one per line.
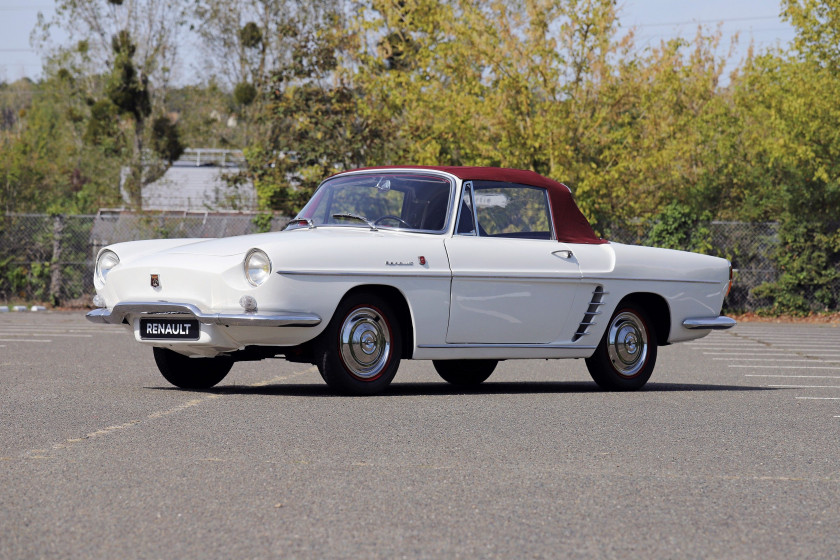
731, 279
248, 303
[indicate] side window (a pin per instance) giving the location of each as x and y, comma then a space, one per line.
511, 210
466, 221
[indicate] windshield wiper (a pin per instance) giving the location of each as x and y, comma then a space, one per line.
357, 217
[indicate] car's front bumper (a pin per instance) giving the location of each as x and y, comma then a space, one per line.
710, 323
121, 312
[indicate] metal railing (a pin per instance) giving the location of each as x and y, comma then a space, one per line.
213, 156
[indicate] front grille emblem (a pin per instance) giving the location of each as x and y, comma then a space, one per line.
155, 281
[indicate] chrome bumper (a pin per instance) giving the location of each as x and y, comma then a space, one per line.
711, 323
162, 309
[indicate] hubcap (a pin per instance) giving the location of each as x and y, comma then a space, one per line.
365, 343
627, 344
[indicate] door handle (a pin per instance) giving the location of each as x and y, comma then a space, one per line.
563, 254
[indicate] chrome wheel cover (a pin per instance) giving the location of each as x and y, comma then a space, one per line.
627, 344
365, 341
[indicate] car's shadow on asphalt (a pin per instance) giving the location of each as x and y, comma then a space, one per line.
443, 389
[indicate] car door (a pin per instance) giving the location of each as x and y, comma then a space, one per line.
512, 282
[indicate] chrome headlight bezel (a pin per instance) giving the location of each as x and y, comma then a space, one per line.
106, 261
257, 267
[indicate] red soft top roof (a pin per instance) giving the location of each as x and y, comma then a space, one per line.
569, 223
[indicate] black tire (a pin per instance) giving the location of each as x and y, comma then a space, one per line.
626, 355
465, 373
191, 373
359, 352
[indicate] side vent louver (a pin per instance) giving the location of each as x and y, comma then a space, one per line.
591, 313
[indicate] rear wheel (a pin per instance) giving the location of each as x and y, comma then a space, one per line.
465, 373
359, 352
626, 355
191, 373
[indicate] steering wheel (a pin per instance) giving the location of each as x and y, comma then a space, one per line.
390, 217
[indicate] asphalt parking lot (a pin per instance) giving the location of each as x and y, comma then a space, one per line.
731, 451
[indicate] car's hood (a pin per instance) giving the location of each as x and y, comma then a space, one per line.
224, 246
238, 245
296, 241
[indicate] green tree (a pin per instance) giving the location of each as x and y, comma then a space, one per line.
800, 150
791, 99
817, 24
309, 123
115, 73
47, 167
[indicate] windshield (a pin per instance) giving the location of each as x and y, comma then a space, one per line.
412, 201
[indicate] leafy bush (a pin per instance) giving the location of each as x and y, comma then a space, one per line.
677, 227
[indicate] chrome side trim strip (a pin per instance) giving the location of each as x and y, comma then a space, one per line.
493, 277
479, 277
712, 323
501, 346
368, 274
164, 309
614, 278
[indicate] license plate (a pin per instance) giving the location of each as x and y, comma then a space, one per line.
169, 329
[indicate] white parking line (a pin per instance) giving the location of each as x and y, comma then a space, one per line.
804, 339
790, 334
818, 398
806, 386
793, 343
793, 336
718, 344
822, 352
783, 367
795, 376
57, 326
731, 347
25, 340
789, 341
49, 334
19, 328
776, 360
746, 354
83, 325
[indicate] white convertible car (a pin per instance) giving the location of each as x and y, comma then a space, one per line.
463, 266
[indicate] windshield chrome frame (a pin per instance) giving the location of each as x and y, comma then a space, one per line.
453, 183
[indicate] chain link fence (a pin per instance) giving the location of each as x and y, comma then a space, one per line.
50, 259
749, 246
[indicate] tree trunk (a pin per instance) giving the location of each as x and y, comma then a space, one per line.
134, 181
55, 264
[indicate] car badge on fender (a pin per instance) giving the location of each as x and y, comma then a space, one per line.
155, 281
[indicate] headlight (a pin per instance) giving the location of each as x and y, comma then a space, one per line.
257, 267
104, 263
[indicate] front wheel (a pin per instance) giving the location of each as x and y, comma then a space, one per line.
191, 373
359, 352
626, 355
465, 373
